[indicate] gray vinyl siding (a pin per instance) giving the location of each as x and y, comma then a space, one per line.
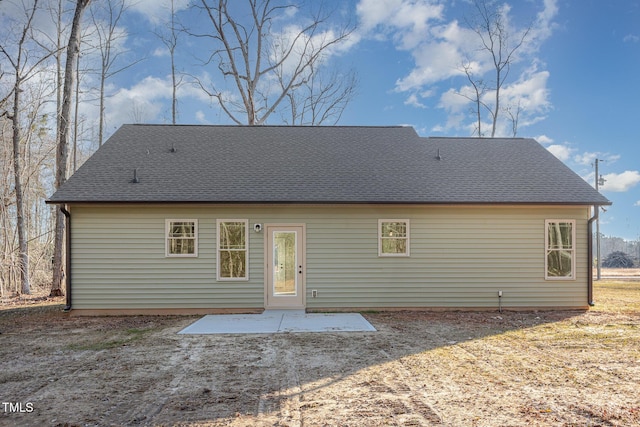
461, 256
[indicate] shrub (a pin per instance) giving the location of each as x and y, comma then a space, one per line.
618, 259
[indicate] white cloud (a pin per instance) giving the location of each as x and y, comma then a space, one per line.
427, 93
620, 182
544, 139
413, 101
454, 101
160, 52
13, 18
441, 55
146, 101
439, 49
637, 203
530, 90
562, 152
140, 103
544, 25
631, 38
527, 98
588, 158
157, 11
201, 117
304, 46
442, 49
406, 21
433, 62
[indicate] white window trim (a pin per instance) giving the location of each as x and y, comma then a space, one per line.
573, 249
246, 233
408, 238
167, 224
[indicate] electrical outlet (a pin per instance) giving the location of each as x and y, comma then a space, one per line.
314, 294
500, 294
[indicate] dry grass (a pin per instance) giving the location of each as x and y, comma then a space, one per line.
617, 296
454, 369
621, 272
35, 299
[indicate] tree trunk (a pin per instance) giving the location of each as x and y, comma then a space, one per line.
23, 261
496, 108
62, 152
76, 115
101, 112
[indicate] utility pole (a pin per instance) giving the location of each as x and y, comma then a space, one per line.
599, 181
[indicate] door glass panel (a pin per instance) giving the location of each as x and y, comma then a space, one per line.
284, 263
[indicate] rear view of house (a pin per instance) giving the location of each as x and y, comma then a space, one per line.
167, 219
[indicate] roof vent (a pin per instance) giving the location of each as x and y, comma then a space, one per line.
438, 156
135, 179
173, 149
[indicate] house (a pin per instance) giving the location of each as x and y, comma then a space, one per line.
198, 219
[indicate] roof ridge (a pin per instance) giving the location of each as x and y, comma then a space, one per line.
481, 138
272, 126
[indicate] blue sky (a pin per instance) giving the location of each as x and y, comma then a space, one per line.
576, 77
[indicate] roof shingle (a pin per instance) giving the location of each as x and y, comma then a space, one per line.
341, 164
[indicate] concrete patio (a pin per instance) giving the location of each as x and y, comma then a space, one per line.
279, 321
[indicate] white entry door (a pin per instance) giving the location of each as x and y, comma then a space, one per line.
285, 266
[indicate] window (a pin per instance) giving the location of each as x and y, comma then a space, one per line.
182, 238
560, 249
393, 237
232, 249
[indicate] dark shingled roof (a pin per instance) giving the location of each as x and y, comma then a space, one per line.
341, 164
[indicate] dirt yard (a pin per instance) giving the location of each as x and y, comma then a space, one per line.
419, 369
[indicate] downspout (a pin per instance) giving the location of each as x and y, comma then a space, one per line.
67, 215
590, 257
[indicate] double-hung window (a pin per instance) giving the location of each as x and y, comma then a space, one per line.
232, 249
560, 237
393, 237
181, 238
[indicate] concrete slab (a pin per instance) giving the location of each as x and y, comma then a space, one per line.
325, 322
279, 321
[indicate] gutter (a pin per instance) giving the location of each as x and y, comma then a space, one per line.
595, 216
317, 202
67, 215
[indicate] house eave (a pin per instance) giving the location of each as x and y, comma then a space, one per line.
326, 202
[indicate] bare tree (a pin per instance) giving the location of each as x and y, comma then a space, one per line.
106, 22
62, 152
514, 116
8, 274
479, 88
57, 12
24, 67
491, 27
321, 99
137, 112
169, 38
76, 114
263, 65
